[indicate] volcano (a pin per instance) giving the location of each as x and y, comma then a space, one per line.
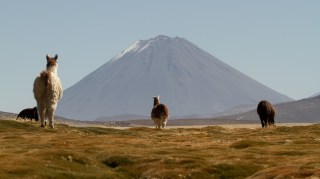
189, 81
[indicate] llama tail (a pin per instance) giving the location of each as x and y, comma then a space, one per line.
45, 78
40, 85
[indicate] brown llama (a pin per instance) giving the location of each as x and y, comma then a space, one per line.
266, 113
47, 91
29, 113
159, 113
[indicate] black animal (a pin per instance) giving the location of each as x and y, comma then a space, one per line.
29, 113
266, 113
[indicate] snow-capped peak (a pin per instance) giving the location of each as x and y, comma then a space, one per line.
140, 45
189, 80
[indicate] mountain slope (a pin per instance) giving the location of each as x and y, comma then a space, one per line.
317, 94
189, 80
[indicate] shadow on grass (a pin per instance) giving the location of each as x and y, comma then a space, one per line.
246, 144
240, 170
116, 161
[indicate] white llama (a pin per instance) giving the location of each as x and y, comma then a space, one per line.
159, 113
47, 91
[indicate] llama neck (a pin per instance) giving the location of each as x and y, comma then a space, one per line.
53, 69
156, 102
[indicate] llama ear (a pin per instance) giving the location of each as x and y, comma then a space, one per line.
47, 57
56, 57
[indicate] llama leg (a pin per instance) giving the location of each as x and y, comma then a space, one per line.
155, 122
51, 108
159, 124
268, 122
271, 121
42, 115
162, 123
50, 117
263, 122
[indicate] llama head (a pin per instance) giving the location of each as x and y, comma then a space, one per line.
156, 100
52, 64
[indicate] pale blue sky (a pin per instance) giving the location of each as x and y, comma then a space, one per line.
276, 42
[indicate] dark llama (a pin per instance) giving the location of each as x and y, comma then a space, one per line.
29, 113
266, 113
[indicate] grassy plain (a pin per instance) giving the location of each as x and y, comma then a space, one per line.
28, 151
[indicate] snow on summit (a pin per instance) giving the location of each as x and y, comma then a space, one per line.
189, 81
139, 46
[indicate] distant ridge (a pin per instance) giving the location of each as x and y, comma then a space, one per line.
7, 115
301, 111
189, 81
317, 94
